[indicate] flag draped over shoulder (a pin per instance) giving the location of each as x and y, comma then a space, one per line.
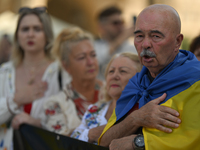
180, 80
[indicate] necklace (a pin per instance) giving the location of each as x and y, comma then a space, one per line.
32, 72
32, 76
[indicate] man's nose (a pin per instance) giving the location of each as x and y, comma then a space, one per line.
146, 43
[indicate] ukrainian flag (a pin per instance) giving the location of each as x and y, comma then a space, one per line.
181, 81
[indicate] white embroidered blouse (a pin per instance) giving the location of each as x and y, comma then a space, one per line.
8, 108
93, 117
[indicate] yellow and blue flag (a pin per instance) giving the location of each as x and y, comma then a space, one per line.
181, 81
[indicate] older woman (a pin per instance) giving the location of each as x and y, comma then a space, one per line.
119, 70
74, 49
24, 80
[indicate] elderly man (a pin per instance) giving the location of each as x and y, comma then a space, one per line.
170, 77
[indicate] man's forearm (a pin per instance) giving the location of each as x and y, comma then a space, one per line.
94, 134
124, 128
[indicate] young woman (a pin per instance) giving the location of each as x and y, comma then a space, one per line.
30, 76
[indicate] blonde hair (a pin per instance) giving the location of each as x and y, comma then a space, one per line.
129, 55
18, 53
66, 39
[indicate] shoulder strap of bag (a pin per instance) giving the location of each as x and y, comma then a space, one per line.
60, 79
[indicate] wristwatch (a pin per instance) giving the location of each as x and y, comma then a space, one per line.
138, 141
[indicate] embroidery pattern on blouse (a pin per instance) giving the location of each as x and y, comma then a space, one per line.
82, 103
90, 118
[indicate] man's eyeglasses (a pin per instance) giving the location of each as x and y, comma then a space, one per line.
117, 22
36, 9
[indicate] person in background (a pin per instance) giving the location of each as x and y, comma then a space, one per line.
195, 47
30, 76
167, 90
74, 48
118, 71
5, 49
113, 36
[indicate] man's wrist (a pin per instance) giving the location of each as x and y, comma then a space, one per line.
138, 142
134, 119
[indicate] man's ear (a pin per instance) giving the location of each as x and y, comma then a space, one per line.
179, 40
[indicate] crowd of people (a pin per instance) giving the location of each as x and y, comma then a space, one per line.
105, 91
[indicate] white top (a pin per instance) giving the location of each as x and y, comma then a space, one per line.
103, 56
93, 117
7, 90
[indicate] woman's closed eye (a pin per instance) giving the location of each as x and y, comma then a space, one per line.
111, 71
123, 71
81, 58
93, 54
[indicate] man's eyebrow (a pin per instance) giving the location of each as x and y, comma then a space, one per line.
153, 31
156, 31
138, 31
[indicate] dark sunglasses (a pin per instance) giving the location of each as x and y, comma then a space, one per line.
36, 9
117, 22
